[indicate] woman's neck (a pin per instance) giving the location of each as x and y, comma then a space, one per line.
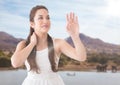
41, 41
42, 38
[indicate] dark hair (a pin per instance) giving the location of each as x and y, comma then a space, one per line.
32, 57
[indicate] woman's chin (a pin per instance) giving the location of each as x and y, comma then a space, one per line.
44, 31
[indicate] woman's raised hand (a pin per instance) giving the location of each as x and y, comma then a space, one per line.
72, 24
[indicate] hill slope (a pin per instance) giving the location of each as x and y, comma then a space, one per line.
96, 45
8, 42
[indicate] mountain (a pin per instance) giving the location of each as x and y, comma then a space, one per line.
7, 42
96, 45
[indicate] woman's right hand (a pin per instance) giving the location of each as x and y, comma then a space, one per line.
33, 39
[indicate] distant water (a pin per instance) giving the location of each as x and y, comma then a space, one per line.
16, 77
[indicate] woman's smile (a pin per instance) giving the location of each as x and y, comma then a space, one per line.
45, 26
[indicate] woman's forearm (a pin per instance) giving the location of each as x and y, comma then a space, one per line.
79, 47
19, 57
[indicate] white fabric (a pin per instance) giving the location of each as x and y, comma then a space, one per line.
46, 75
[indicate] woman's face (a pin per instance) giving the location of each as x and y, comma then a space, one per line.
41, 21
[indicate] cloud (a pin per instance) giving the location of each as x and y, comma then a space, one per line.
113, 8
95, 18
14, 24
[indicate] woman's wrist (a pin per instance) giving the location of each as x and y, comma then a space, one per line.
74, 36
32, 44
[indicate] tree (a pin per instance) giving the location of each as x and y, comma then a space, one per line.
5, 62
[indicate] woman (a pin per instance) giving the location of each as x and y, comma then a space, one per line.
40, 52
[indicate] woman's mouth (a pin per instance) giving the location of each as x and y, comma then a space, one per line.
45, 26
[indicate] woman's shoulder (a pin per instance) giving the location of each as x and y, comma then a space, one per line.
58, 40
57, 44
22, 43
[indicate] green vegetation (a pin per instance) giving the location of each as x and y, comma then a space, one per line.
92, 59
103, 58
64, 60
5, 59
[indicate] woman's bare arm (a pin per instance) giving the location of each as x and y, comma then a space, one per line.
79, 52
22, 52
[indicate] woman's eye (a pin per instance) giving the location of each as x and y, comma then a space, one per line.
40, 18
48, 18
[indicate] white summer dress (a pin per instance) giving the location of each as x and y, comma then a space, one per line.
46, 75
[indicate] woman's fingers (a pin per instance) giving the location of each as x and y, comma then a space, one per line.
71, 17
33, 38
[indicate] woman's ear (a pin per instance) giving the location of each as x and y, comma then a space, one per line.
32, 24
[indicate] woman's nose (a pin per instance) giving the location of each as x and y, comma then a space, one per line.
45, 20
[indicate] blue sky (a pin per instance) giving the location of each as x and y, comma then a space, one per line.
97, 18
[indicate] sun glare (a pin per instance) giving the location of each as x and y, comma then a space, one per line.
113, 8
